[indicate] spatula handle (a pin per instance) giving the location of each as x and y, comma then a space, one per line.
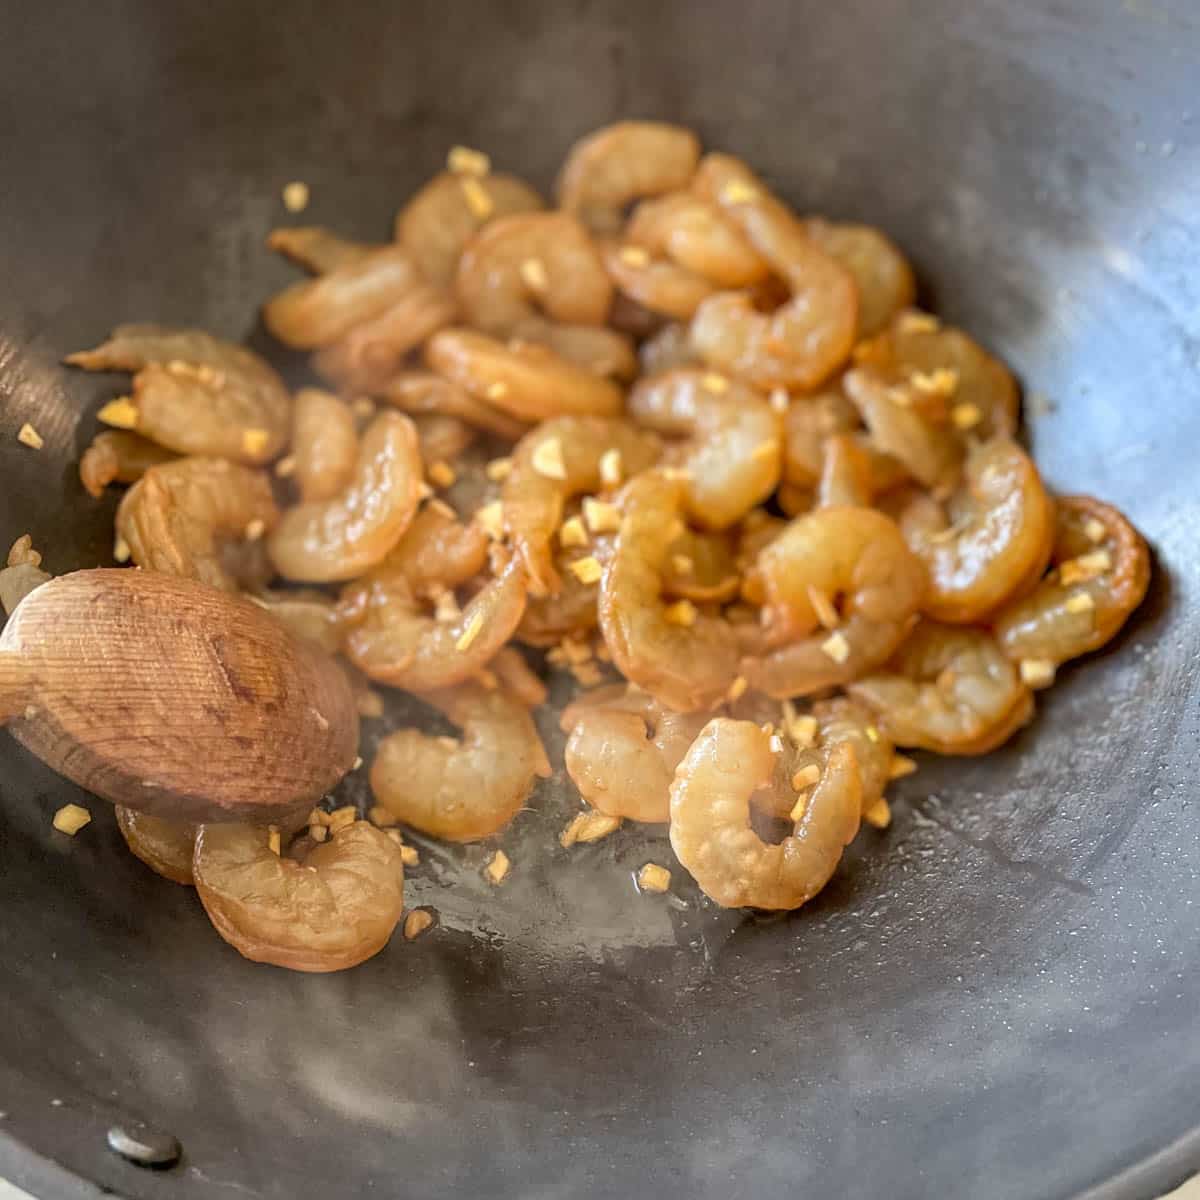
14, 685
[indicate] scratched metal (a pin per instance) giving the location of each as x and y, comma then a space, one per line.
996, 998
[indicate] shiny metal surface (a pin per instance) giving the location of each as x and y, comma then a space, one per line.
997, 998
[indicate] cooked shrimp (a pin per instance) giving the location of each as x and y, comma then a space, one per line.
179, 515
623, 748
441, 218
436, 552
734, 450
535, 492
395, 641
701, 567
315, 248
529, 382
849, 570
333, 908
949, 689
846, 477
711, 832
164, 846
196, 394
658, 284
309, 614
632, 318
609, 169
518, 678
423, 392
676, 251
1102, 570
595, 348
670, 347
442, 439
329, 540
365, 357
569, 612
928, 448
803, 342
686, 666
324, 444
694, 233
808, 423
915, 352
840, 720
530, 265
462, 789
116, 456
317, 312
992, 537
884, 278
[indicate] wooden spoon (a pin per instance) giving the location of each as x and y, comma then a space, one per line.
173, 698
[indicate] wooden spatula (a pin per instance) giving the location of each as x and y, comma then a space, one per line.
171, 697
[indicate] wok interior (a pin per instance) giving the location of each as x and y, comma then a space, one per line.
989, 998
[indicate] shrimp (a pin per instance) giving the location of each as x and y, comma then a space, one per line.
670, 347
677, 251
424, 393
468, 788
992, 538
711, 832
595, 348
196, 394
569, 612
436, 552
628, 316
324, 444
339, 538
686, 666
810, 336
164, 846
915, 348
318, 312
845, 568
307, 613
316, 249
694, 233
658, 284
884, 279
701, 567
839, 720
533, 499
333, 907
120, 457
734, 450
518, 678
949, 689
610, 168
531, 265
442, 439
928, 449
623, 748
449, 210
394, 641
365, 357
529, 382
178, 516
808, 423
846, 477
1102, 570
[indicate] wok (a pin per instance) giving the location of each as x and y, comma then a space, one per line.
997, 997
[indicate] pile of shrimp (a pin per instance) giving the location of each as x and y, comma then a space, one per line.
700, 452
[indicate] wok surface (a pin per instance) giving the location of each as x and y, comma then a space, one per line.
997, 998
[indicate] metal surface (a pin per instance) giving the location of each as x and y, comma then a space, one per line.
997, 998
